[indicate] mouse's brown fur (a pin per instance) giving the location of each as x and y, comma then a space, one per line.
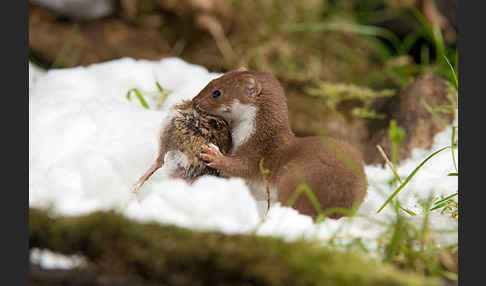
186, 131
255, 102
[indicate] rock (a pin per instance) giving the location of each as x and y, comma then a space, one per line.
408, 108
310, 116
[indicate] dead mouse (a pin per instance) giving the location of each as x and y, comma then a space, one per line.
182, 136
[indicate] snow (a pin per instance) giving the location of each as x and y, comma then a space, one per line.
88, 145
51, 260
34, 73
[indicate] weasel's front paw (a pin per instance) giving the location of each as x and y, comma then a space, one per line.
212, 156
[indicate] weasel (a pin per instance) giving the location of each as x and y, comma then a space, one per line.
255, 103
181, 138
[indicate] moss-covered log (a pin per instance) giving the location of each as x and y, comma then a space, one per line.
178, 256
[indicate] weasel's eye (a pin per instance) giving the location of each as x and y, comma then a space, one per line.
216, 93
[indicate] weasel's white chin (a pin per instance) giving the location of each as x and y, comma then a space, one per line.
242, 117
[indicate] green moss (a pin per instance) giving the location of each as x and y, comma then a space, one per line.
182, 257
335, 93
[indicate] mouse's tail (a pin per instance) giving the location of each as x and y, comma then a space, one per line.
155, 166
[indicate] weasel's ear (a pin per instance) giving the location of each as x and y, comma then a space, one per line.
254, 88
241, 69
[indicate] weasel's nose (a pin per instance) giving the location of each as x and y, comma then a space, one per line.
196, 104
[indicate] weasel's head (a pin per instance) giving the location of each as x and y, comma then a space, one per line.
229, 95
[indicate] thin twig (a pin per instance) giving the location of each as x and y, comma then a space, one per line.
214, 27
383, 154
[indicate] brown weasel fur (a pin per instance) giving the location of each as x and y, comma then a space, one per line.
186, 131
256, 105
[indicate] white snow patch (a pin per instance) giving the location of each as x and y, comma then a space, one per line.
88, 145
34, 73
210, 203
51, 260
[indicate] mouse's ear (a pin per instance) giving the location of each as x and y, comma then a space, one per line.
254, 88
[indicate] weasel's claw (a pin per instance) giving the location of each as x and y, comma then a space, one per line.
205, 157
211, 148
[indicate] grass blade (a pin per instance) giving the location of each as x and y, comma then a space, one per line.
265, 173
443, 201
139, 96
454, 75
433, 112
446, 198
453, 145
305, 188
395, 193
448, 107
350, 28
159, 86
411, 213
408, 42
